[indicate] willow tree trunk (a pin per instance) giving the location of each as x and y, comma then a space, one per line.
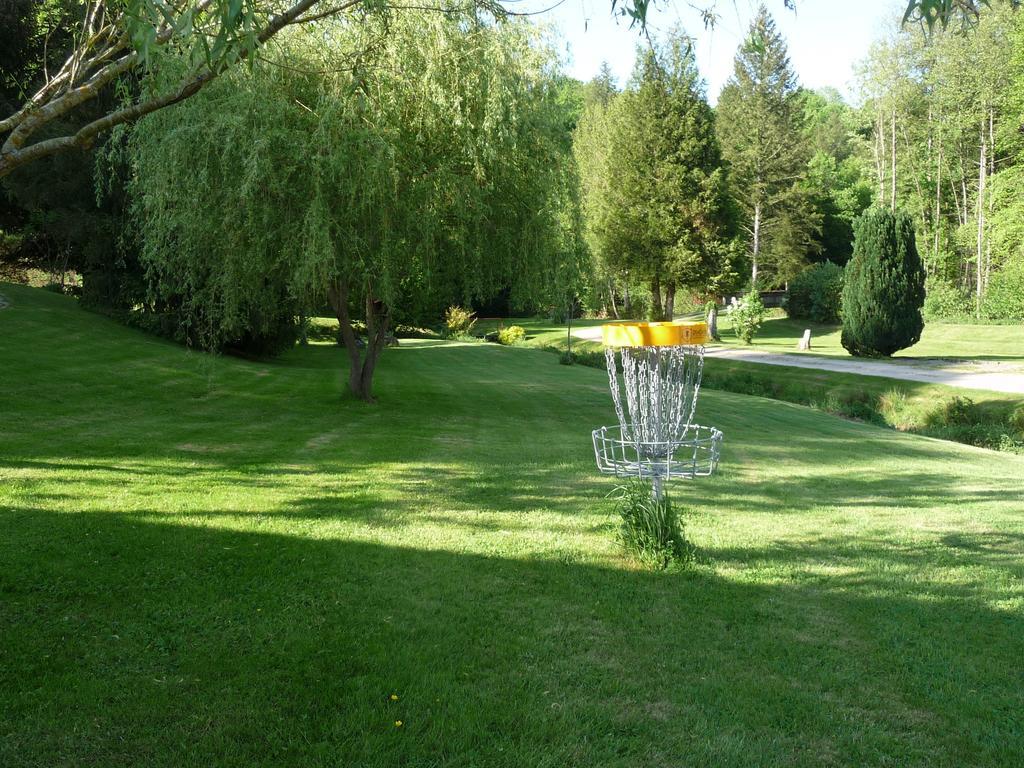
670, 301
361, 363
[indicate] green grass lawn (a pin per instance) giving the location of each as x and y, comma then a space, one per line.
939, 340
781, 334
209, 561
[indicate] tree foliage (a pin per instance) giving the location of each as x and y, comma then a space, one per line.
943, 13
883, 290
946, 112
759, 126
655, 190
817, 293
837, 180
424, 171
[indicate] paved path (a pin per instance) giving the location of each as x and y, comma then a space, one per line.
990, 375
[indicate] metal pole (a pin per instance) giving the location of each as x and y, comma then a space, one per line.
657, 492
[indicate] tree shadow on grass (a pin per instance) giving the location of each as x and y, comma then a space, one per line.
130, 639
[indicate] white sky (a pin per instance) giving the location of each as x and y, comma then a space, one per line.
826, 38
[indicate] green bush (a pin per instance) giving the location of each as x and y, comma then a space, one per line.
957, 411
747, 315
514, 334
1004, 299
589, 358
651, 531
403, 331
1017, 420
816, 293
458, 322
943, 301
884, 286
1010, 444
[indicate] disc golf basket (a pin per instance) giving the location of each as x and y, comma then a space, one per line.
656, 439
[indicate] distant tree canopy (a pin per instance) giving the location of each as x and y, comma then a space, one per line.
760, 122
430, 165
945, 115
837, 180
655, 188
174, 48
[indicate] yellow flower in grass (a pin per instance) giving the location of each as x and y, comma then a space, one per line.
398, 723
394, 697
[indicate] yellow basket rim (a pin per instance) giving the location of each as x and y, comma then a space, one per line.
668, 333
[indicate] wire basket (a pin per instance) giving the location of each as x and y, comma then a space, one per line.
696, 454
661, 366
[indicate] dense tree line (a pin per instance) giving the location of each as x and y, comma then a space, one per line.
384, 164
946, 111
678, 195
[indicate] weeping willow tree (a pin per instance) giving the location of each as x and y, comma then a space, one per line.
369, 163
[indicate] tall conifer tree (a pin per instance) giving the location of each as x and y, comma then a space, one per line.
759, 126
667, 199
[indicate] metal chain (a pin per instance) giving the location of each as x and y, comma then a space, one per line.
661, 386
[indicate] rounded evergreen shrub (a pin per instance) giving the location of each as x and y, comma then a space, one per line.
884, 286
817, 293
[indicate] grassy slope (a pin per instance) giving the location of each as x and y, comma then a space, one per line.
905, 405
221, 562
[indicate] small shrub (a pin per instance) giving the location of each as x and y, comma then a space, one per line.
855, 405
884, 286
1008, 444
458, 322
590, 359
651, 530
895, 409
816, 293
957, 411
514, 334
943, 301
1016, 420
403, 331
747, 315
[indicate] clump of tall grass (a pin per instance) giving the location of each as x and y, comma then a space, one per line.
651, 530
